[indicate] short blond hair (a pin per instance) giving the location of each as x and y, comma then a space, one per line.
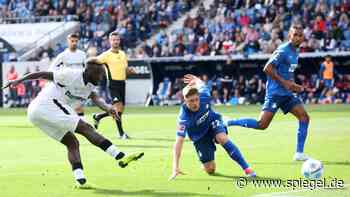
189, 90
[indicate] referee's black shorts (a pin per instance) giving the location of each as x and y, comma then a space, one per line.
117, 89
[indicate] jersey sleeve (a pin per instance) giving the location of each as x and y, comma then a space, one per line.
181, 124
277, 58
56, 63
181, 129
102, 58
63, 77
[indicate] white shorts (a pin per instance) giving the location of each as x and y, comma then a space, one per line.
53, 117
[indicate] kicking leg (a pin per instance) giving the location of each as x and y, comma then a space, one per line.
106, 145
299, 112
72, 144
234, 152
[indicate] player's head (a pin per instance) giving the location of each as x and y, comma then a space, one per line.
191, 97
328, 58
114, 40
94, 71
72, 40
296, 35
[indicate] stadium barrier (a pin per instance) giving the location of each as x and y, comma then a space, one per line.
151, 71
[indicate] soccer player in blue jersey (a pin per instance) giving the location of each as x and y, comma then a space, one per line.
204, 127
279, 91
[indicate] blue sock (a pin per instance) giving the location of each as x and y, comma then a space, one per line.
302, 134
244, 122
235, 154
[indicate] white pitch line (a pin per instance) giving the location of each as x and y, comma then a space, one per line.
282, 194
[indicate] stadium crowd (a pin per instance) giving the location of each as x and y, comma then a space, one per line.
231, 27
135, 20
224, 28
251, 90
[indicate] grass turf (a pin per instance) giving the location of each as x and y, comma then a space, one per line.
34, 165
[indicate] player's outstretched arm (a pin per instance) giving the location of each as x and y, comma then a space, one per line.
270, 70
30, 76
176, 157
101, 103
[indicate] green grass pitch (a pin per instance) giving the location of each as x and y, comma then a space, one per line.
34, 165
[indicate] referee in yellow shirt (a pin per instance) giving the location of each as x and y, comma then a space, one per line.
116, 62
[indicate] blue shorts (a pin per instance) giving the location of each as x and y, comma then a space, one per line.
286, 103
205, 146
328, 83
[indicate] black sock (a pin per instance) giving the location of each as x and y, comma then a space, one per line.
78, 173
77, 166
81, 114
101, 115
119, 124
105, 144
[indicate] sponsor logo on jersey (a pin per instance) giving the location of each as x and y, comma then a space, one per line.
202, 118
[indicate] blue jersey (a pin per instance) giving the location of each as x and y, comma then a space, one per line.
285, 60
197, 124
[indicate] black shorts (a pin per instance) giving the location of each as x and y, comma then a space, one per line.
117, 89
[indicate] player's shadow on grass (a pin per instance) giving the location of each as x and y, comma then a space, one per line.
16, 126
226, 178
345, 163
217, 174
341, 163
146, 192
144, 146
156, 139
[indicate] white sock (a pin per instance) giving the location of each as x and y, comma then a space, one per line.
113, 151
78, 174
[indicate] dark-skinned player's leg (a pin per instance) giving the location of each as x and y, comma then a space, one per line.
299, 112
72, 144
106, 145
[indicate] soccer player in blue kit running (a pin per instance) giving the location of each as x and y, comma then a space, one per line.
204, 127
279, 91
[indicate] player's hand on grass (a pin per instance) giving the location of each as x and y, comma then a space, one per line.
175, 174
11, 83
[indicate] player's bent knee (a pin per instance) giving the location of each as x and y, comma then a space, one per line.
263, 125
210, 170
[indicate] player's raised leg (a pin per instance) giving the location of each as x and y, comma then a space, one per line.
299, 112
106, 145
234, 153
261, 124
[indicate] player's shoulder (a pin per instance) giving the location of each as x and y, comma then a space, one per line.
182, 112
284, 46
80, 52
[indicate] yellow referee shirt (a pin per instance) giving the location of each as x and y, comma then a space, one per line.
116, 64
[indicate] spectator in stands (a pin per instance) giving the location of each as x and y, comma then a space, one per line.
12, 75
164, 91
327, 72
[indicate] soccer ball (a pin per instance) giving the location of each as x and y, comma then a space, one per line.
312, 169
